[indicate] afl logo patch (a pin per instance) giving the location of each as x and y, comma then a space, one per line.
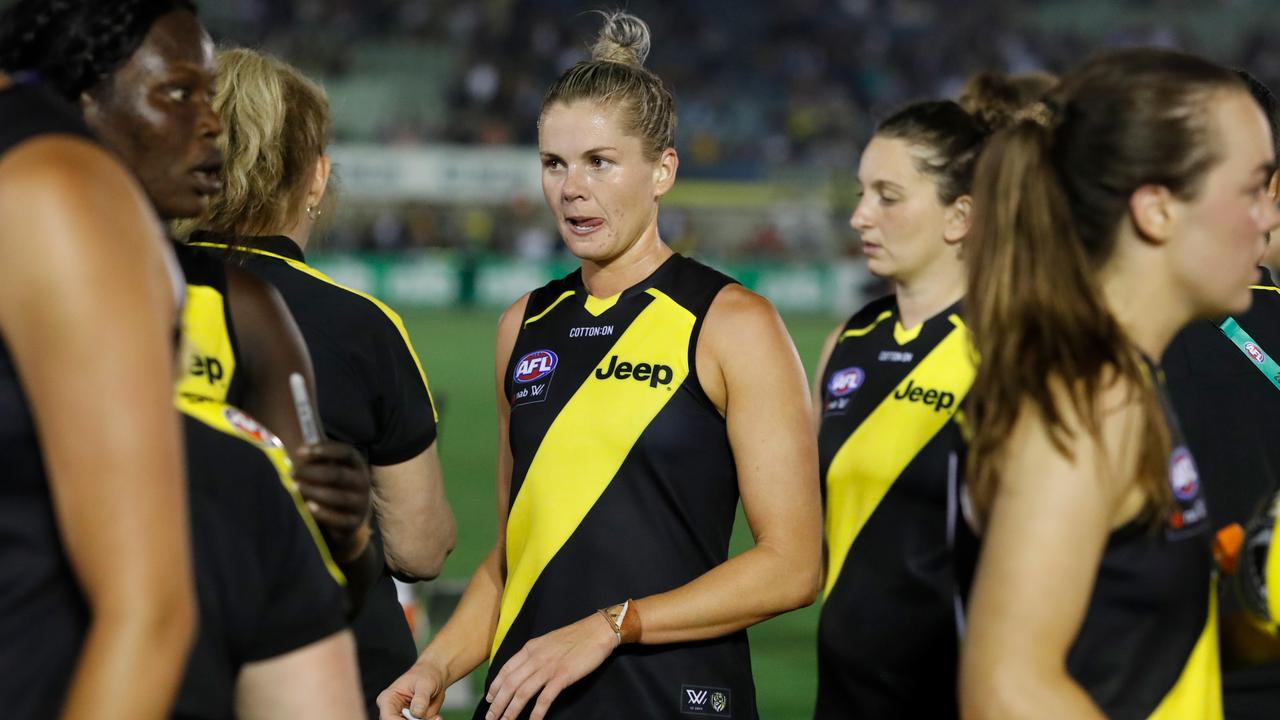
1255, 353
250, 428
845, 381
535, 366
1184, 479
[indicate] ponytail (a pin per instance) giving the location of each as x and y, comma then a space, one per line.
1037, 315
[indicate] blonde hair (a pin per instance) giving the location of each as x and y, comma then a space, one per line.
276, 123
616, 74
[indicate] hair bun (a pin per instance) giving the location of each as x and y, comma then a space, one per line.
623, 39
995, 99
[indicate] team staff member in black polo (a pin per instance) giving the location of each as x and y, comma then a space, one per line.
147, 93
890, 380
96, 600
1230, 413
372, 389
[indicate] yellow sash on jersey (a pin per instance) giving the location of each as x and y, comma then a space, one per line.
1198, 691
238, 424
1272, 577
882, 446
586, 445
208, 360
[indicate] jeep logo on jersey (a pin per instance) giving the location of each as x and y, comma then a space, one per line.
845, 381
1183, 476
1255, 353
939, 399
655, 374
207, 367
535, 366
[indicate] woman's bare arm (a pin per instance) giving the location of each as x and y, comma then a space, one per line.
332, 476
464, 641
766, 404
414, 515
318, 682
87, 310
1042, 546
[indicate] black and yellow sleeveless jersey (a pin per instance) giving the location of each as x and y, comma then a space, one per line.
1148, 645
888, 447
209, 351
623, 485
373, 394
43, 615
264, 578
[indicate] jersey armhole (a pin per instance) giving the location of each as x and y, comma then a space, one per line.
235, 388
693, 381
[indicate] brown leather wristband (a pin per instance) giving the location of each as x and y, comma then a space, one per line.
631, 627
624, 620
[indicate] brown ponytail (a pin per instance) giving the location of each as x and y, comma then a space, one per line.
1050, 193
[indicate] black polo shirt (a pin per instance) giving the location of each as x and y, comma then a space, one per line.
1230, 413
373, 394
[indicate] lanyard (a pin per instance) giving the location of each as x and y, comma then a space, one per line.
1265, 364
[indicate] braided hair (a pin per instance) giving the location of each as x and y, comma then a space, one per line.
74, 44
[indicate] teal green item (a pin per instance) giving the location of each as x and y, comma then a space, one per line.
1264, 362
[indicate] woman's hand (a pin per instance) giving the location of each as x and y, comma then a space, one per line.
421, 690
334, 480
546, 665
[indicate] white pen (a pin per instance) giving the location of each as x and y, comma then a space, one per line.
302, 405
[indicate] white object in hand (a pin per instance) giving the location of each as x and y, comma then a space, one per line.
408, 715
302, 405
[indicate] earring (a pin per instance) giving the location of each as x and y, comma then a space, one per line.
313, 212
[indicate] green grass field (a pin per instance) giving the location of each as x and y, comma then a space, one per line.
457, 351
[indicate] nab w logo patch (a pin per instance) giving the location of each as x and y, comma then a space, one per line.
705, 701
533, 374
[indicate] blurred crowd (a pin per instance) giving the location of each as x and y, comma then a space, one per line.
781, 91
761, 86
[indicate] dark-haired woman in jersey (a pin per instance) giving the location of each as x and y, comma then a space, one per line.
890, 381
1132, 200
96, 599
638, 399
143, 71
373, 391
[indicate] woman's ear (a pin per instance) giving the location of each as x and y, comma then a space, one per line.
957, 220
319, 181
1154, 213
664, 173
